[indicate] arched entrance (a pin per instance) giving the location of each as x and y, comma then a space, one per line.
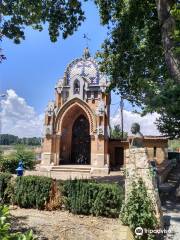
80, 144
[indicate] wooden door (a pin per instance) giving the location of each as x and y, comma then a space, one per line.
119, 156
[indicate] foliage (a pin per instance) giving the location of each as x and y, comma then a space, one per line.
139, 60
87, 197
116, 132
32, 191
9, 163
138, 209
79, 196
62, 17
4, 181
174, 144
5, 228
167, 105
9, 139
141, 54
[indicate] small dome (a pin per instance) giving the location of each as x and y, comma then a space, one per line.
85, 67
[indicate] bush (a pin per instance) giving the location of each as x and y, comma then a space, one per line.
4, 181
10, 162
5, 228
138, 210
87, 197
80, 196
32, 191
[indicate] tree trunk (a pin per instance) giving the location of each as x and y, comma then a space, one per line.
167, 24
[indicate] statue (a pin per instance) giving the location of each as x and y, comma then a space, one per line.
50, 109
137, 137
100, 108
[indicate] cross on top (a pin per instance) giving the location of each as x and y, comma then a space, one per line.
83, 65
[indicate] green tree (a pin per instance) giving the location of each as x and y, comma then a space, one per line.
116, 132
141, 55
62, 17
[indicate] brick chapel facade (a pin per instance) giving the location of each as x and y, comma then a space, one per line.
77, 123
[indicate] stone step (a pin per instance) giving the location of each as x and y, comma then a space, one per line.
80, 169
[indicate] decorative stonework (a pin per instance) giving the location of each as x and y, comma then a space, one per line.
50, 108
100, 108
48, 130
68, 107
80, 94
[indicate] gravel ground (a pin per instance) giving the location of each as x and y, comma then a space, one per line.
62, 225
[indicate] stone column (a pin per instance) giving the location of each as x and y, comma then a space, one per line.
57, 149
138, 166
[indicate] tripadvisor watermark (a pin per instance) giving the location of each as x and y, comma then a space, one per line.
139, 231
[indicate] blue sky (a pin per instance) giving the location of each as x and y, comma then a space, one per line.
33, 67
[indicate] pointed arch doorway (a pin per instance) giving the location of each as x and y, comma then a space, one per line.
80, 143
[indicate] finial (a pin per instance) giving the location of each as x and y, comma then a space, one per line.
86, 53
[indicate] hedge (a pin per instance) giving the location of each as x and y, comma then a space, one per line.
4, 182
32, 191
87, 197
79, 196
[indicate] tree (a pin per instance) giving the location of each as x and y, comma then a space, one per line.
168, 12
141, 26
9, 139
116, 132
141, 55
63, 17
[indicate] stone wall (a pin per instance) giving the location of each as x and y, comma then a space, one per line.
138, 166
157, 149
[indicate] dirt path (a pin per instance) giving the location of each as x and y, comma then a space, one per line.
61, 225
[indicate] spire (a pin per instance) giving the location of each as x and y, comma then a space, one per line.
86, 53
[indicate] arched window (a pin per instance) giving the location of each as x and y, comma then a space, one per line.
76, 87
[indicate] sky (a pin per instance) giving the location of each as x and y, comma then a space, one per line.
32, 68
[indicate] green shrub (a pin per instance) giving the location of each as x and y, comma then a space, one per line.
32, 191
108, 201
10, 162
4, 181
5, 228
87, 197
138, 210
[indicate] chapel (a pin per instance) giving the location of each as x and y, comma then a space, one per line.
77, 123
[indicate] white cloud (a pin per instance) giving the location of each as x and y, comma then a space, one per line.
147, 124
18, 118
